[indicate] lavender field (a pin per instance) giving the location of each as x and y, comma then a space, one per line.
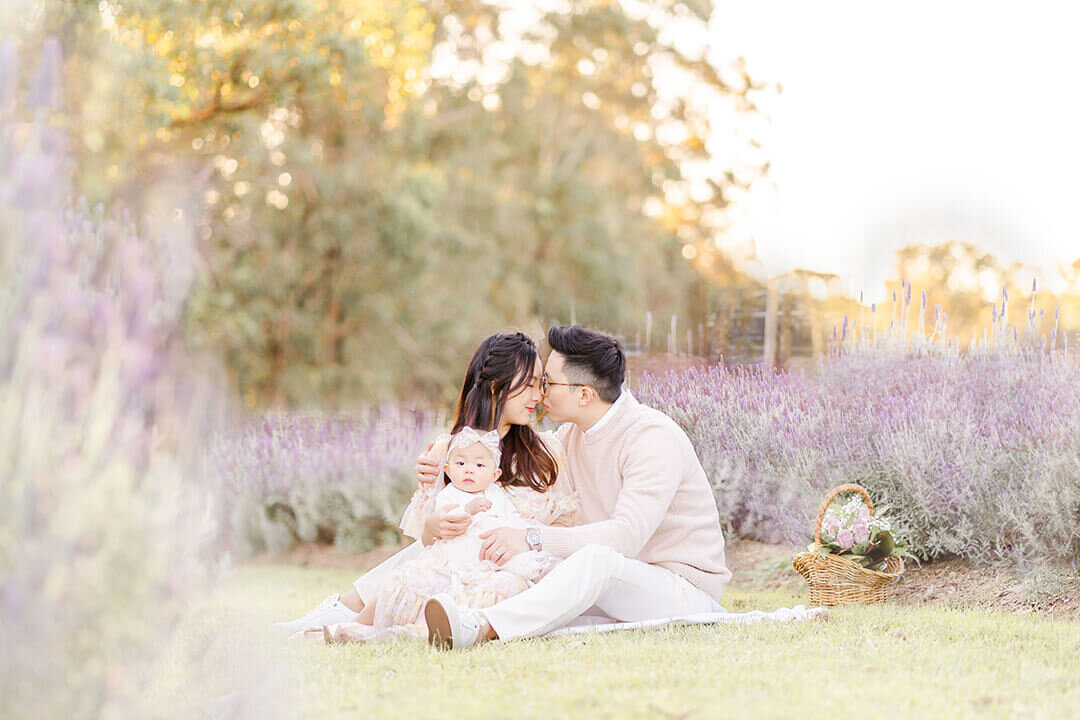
340, 479
975, 454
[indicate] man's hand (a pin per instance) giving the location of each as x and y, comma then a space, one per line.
445, 523
501, 544
478, 505
427, 471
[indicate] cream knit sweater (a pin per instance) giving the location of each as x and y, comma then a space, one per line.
643, 492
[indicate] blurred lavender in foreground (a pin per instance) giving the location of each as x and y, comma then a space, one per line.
975, 454
105, 525
330, 478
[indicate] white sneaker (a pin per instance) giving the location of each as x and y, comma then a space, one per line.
329, 612
451, 627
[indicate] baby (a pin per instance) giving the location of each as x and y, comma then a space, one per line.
453, 565
472, 466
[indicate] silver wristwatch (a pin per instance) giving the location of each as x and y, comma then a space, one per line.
532, 536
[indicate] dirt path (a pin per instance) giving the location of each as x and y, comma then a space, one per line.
954, 582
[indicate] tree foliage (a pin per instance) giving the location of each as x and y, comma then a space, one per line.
380, 184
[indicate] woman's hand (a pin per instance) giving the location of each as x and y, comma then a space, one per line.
501, 544
445, 523
427, 471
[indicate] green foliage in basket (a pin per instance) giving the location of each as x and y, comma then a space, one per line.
848, 529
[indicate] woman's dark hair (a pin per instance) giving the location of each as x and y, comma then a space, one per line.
500, 368
592, 358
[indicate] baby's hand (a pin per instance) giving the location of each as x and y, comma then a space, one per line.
478, 505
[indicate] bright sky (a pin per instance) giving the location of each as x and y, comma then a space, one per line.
912, 122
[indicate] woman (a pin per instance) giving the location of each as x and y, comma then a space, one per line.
501, 390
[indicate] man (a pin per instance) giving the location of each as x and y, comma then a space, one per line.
651, 546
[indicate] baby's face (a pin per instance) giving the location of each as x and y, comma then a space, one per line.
471, 468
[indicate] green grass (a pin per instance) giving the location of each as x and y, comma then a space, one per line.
860, 662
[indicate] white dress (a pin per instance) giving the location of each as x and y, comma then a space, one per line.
454, 566
402, 584
463, 551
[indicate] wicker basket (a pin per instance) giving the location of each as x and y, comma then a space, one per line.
835, 580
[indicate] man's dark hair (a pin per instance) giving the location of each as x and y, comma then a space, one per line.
592, 358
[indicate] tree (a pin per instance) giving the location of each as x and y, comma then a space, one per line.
381, 184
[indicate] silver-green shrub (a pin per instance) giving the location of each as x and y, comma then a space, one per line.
977, 454
341, 478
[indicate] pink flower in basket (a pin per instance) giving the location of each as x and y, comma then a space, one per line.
845, 539
863, 515
831, 526
861, 532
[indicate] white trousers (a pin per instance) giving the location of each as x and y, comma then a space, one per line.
622, 588
367, 585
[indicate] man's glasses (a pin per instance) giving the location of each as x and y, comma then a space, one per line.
545, 384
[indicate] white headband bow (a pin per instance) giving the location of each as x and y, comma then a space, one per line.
467, 436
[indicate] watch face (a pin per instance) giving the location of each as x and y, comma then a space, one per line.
532, 536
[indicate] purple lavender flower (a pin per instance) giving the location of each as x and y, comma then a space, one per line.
9, 75
333, 477
46, 88
111, 425
926, 430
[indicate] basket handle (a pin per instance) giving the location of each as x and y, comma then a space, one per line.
849, 487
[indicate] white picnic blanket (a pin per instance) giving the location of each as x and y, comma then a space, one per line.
355, 632
593, 623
